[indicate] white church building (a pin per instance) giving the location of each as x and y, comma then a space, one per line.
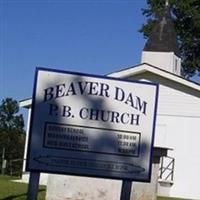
177, 128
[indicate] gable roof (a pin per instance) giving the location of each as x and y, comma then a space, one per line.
25, 103
147, 68
139, 70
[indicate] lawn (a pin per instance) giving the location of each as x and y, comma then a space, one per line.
10, 190
166, 198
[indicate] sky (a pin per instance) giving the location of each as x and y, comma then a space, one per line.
89, 36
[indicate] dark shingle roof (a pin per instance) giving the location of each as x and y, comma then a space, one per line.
163, 37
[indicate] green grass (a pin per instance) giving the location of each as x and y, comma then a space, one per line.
10, 190
167, 198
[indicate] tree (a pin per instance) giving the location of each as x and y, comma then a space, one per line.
186, 17
9, 120
12, 137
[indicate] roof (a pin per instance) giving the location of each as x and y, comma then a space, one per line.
25, 103
139, 70
163, 37
144, 67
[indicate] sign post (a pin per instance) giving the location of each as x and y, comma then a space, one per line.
90, 125
33, 186
126, 190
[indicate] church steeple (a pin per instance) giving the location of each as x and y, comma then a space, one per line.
161, 49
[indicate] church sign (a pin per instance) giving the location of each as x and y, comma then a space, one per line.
92, 125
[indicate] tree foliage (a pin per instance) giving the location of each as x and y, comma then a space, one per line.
9, 120
186, 17
12, 135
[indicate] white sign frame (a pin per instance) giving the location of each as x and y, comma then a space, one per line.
76, 139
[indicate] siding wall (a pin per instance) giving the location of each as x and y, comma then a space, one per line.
183, 136
177, 127
177, 103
